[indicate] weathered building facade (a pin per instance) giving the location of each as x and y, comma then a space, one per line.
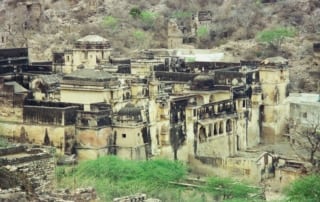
88, 52
162, 104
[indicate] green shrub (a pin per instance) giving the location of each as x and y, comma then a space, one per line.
110, 22
202, 32
181, 15
135, 12
4, 142
275, 36
139, 35
148, 18
305, 189
228, 189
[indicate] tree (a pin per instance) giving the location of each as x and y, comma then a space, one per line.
141, 38
110, 22
135, 12
304, 189
202, 32
307, 135
227, 189
148, 18
274, 37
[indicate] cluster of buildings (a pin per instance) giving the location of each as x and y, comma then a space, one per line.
175, 104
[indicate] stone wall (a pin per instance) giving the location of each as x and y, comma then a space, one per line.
35, 167
27, 175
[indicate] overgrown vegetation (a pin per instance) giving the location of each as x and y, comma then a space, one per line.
113, 177
305, 189
110, 22
4, 142
228, 190
274, 37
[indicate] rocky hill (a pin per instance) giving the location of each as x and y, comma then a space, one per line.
47, 25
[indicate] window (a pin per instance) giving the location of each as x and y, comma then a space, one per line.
305, 115
124, 135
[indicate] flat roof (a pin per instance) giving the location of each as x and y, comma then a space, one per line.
304, 98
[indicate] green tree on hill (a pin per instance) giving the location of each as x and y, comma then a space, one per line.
274, 37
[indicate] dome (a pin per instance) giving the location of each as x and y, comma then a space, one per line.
92, 42
130, 110
203, 82
92, 39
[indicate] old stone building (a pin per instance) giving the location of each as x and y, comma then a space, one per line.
274, 81
88, 52
175, 35
186, 104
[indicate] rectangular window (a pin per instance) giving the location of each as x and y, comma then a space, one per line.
305, 115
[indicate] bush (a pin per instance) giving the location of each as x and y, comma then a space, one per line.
202, 32
113, 177
182, 15
275, 36
135, 12
227, 189
148, 18
110, 22
305, 189
4, 142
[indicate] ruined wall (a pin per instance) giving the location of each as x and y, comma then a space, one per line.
218, 146
274, 83
251, 169
36, 133
33, 167
11, 103
128, 136
93, 138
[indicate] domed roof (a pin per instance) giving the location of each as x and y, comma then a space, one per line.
93, 39
129, 110
203, 82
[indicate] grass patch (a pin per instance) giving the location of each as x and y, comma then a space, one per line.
113, 177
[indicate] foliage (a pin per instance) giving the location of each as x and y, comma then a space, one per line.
113, 177
110, 22
135, 12
4, 142
182, 15
139, 35
304, 189
230, 190
202, 32
148, 18
275, 36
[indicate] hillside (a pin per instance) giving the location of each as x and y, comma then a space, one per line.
139, 24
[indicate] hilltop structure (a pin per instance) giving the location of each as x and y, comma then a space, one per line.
161, 103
